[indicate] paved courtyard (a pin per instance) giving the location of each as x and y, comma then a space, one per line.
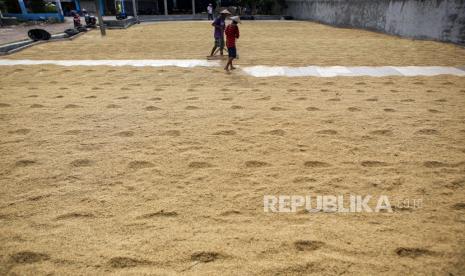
19, 32
163, 170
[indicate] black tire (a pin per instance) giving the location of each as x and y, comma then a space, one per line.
38, 34
71, 32
81, 29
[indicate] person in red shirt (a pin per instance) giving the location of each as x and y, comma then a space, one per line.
76, 19
232, 33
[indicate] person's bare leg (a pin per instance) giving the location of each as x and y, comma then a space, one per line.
221, 49
229, 64
213, 51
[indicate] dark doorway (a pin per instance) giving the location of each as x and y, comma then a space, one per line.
67, 7
12, 6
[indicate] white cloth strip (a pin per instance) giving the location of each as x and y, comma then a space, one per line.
335, 71
129, 62
260, 71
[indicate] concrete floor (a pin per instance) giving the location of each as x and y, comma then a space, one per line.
19, 32
15, 33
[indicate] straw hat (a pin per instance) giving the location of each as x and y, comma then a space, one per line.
236, 19
225, 12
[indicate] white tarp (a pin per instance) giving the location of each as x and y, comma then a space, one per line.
260, 71
335, 71
121, 62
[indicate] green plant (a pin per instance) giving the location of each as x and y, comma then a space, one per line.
50, 8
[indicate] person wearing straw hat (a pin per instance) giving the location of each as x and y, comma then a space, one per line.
218, 34
232, 33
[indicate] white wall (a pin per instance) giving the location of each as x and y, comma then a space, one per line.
426, 19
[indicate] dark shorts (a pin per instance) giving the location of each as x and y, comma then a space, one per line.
232, 53
219, 42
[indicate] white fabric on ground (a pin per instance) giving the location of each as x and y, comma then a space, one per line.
334, 71
261, 71
137, 63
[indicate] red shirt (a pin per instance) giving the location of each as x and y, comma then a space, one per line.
232, 33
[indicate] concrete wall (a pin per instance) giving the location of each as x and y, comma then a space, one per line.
424, 19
